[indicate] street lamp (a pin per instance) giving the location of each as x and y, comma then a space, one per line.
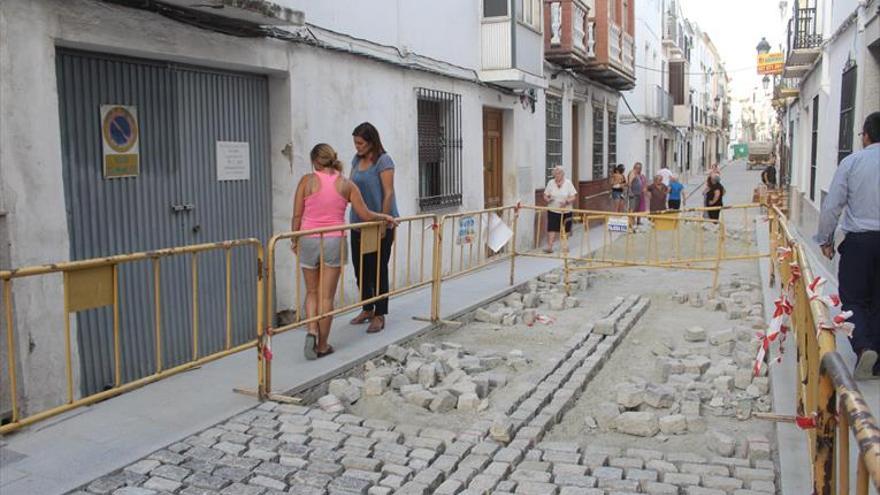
766, 82
763, 46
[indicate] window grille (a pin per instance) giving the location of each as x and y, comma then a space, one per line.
554, 134
598, 143
814, 142
847, 108
612, 139
440, 145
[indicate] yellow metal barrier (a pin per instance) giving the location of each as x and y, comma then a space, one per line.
822, 377
420, 229
94, 283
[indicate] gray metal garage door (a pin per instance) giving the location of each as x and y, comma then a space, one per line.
175, 200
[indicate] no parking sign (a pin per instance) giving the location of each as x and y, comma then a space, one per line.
120, 137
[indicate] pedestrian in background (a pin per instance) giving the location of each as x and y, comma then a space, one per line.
559, 195
714, 197
658, 191
675, 189
637, 183
618, 184
320, 202
666, 174
768, 176
855, 192
372, 170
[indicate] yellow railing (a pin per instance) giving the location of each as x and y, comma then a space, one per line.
94, 283
825, 384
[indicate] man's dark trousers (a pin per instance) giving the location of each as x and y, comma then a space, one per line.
859, 286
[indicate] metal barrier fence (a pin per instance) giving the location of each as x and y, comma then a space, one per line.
825, 383
95, 283
413, 273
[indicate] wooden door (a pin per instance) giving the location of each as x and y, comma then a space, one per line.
493, 166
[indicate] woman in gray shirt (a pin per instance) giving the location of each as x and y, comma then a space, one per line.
372, 170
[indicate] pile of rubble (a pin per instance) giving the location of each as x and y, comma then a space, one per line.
740, 300
436, 378
524, 306
706, 373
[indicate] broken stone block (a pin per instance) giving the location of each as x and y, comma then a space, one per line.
661, 349
724, 336
443, 402
630, 396
427, 349
641, 424
399, 381
659, 396
723, 383
529, 316
428, 375
510, 320
486, 316
396, 353
697, 364
468, 401
695, 334
695, 299
464, 386
344, 390
421, 398
330, 403
550, 278
674, 424
763, 384
501, 430
530, 300
721, 444
735, 313
743, 409
496, 378
572, 302
605, 326
690, 407
412, 370
606, 414
557, 302
375, 385
662, 370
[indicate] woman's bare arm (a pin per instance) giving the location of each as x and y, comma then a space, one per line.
387, 178
353, 195
299, 202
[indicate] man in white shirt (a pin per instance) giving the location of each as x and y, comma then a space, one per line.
666, 174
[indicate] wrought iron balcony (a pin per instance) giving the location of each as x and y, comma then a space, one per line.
804, 40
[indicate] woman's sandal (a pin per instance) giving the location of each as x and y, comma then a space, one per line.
309, 349
329, 351
363, 317
377, 325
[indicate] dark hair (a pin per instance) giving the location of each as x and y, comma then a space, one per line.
370, 134
872, 127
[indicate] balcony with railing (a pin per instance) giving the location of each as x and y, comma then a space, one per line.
663, 105
673, 36
804, 39
500, 39
570, 39
614, 61
629, 53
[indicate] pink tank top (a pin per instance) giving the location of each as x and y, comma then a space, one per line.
325, 207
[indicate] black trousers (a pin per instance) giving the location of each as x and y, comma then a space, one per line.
713, 214
370, 265
859, 287
674, 204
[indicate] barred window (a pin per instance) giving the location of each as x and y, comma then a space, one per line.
612, 139
847, 109
598, 143
554, 134
440, 143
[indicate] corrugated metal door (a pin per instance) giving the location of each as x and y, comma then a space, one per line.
182, 112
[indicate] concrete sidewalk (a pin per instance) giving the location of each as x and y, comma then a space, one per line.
60, 454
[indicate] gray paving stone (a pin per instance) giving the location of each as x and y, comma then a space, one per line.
520, 475
167, 457
612, 473
194, 490
498, 469
626, 462
561, 457
362, 463
231, 473
536, 488
594, 459
641, 475
432, 477
761, 486
230, 448
654, 488
618, 485
722, 483
267, 482
175, 473
372, 476
161, 484
699, 490
412, 488
685, 457
704, 469
645, 454
310, 478
328, 468
348, 485
305, 490
418, 464
356, 431
379, 490
661, 466
143, 466
535, 466
681, 479
133, 490
483, 483
239, 462
749, 474
463, 474
568, 469
392, 481
730, 461
506, 486
449, 487
242, 489
580, 481
459, 448
204, 480
446, 463
274, 470
475, 461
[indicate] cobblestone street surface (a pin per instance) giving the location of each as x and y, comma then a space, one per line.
537, 394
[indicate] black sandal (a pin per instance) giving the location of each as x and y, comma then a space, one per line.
329, 351
310, 347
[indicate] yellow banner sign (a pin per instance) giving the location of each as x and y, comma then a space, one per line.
771, 63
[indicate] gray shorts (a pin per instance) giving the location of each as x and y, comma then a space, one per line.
309, 251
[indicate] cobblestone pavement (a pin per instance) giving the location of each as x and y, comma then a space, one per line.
279, 448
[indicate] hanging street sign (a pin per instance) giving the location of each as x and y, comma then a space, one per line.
771, 64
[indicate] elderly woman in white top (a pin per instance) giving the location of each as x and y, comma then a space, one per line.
560, 195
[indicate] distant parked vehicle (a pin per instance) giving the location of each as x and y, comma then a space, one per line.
740, 150
760, 154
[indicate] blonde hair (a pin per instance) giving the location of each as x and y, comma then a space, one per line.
324, 156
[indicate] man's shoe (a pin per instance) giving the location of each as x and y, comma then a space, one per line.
865, 365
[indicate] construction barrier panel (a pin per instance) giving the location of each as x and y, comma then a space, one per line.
95, 283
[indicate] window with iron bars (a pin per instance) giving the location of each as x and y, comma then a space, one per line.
440, 145
847, 108
554, 134
612, 139
598, 143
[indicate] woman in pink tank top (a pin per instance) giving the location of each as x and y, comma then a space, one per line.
320, 202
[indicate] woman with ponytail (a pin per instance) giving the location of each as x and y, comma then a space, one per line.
321, 199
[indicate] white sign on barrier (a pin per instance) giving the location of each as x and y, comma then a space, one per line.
618, 224
499, 233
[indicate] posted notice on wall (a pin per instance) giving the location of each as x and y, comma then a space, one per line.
618, 224
233, 160
120, 141
467, 229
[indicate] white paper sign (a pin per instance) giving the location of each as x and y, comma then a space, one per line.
499, 233
618, 224
233, 160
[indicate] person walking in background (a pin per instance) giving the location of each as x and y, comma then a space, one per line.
855, 192
665, 173
320, 202
618, 184
714, 196
657, 192
768, 176
673, 200
559, 195
637, 183
372, 171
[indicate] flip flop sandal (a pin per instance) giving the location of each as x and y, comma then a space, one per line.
329, 351
310, 346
